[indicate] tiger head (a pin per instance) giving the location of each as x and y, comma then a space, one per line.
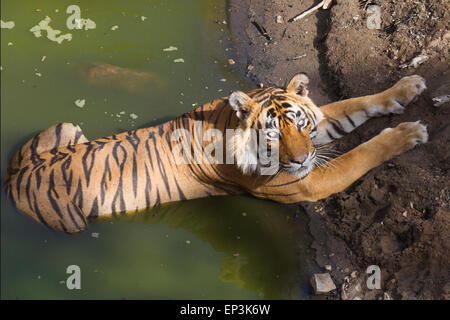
286, 119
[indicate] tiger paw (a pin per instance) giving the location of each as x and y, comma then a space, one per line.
403, 137
402, 93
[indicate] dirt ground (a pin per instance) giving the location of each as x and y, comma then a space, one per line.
398, 215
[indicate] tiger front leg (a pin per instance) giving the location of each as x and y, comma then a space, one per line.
341, 172
344, 116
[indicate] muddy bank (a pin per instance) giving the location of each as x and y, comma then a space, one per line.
396, 216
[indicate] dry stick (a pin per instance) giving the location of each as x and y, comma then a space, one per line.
324, 4
262, 30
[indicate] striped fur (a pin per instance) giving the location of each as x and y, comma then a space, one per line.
61, 179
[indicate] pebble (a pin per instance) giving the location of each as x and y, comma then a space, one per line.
438, 101
322, 283
415, 62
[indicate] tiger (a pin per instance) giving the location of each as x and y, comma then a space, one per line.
62, 180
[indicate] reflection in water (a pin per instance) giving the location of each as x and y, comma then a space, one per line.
264, 250
111, 76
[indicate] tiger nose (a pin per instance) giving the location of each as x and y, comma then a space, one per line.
300, 159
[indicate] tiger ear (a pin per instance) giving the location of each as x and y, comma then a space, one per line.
299, 84
242, 104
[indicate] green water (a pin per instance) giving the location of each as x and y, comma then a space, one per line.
217, 248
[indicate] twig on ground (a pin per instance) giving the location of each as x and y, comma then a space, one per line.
323, 4
297, 57
262, 30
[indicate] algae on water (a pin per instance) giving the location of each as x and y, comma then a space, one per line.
80, 103
86, 24
6, 25
52, 34
171, 48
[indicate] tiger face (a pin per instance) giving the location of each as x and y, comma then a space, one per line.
286, 118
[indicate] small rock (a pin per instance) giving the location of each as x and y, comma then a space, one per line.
231, 62
438, 101
95, 235
328, 267
322, 283
280, 19
415, 62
